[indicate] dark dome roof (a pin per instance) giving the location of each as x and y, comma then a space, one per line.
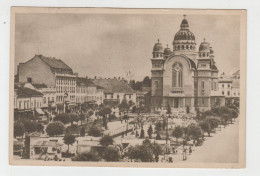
204, 47
158, 47
184, 24
167, 51
184, 34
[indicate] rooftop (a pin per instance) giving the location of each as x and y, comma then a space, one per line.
113, 85
23, 92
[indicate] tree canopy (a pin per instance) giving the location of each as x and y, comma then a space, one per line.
55, 128
106, 140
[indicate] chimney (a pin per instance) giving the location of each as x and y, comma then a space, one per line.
29, 80
86, 77
95, 77
119, 78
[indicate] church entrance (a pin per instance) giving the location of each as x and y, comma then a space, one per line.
176, 102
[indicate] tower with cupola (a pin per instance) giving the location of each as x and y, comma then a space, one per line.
157, 74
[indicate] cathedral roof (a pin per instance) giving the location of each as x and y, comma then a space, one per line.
204, 47
158, 47
184, 33
167, 51
192, 63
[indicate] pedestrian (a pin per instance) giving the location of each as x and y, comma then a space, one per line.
190, 150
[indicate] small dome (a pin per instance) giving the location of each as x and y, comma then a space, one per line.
167, 51
184, 24
204, 47
158, 47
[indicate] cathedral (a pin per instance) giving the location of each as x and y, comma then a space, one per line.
184, 77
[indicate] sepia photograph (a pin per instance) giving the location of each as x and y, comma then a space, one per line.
127, 87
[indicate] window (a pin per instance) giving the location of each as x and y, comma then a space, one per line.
44, 100
129, 96
105, 95
203, 54
48, 99
223, 93
177, 75
203, 85
228, 85
187, 46
52, 99
179, 47
223, 85
203, 101
182, 47
112, 96
228, 93
29, 80
117, 96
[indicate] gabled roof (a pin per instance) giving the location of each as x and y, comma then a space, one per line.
113, 85
23, 92
84, 82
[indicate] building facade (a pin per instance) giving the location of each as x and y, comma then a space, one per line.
53, 73
182, 76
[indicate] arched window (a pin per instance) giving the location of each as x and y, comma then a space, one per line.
191, 47
203, 54
179, 47
177, 75
187, 46
182, 47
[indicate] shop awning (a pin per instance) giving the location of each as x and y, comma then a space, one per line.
39, 111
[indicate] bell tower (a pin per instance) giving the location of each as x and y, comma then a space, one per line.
157, 75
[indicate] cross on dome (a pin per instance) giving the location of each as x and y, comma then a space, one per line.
184, 16
158, 40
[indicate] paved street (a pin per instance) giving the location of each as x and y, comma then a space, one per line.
223, 147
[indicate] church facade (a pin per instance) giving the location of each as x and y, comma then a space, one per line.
184, 77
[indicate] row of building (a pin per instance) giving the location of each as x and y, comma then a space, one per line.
48, 84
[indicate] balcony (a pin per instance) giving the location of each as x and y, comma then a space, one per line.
176, 92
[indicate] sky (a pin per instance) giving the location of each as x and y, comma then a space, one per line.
110, 45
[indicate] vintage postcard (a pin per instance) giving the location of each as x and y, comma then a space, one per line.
114, 87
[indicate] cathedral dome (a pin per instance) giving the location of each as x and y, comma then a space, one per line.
204, 47
184, 35
158, 47
167, 51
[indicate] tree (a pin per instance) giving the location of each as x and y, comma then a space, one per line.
64, 118
18, 129
88, 156
213, 121
205, 126
194, 131
111, 154
73, 118
82, 117
142, 133
158, 126
123, 106
158, 136
55, 128
177, 132
164, 124
69, 139
146, 82
39, 128
95, 131
82, 132
145, 151
30, 126
150, 131
106, 140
